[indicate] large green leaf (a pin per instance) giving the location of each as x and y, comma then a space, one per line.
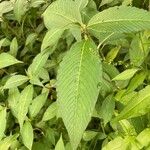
79, 76
121, 19
7, 60
139, 105
24, 103
62, 13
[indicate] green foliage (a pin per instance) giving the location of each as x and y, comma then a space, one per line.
74, 75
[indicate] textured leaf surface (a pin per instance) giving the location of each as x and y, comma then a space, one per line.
139, 105
2, 122
27, 134
15, 81
121, 19
61, 14
7, 60
78, 80
24, 103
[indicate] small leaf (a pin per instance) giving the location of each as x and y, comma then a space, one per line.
57, 15
116, 144
24, 103
37, 104
14, 47
15, 81
31, 38
139, 105
27, 134
112, 54
38, 62
8, 141
107, 109
125, 75
5, 6
51, 112
20, 8
2, 122
13, 99
7, 60
37, 3
136, 81
143, 138
51, 38
60, 144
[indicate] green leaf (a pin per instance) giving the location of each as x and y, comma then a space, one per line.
121, 19
57, 15
79, 76
111, 55
60, 144
51, 38
13, 99
81, 3
116, 144
38, 63
51, 112
27, 134
7, 60
89, 135
5, 7
24, 103
8, 141
125, 75
14, 47
20, 8
37, 104
31, 38
37, 3
2, 122
139, 49
107, 109
139, 105
143, 138
136, 81
103, 2
15, 81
